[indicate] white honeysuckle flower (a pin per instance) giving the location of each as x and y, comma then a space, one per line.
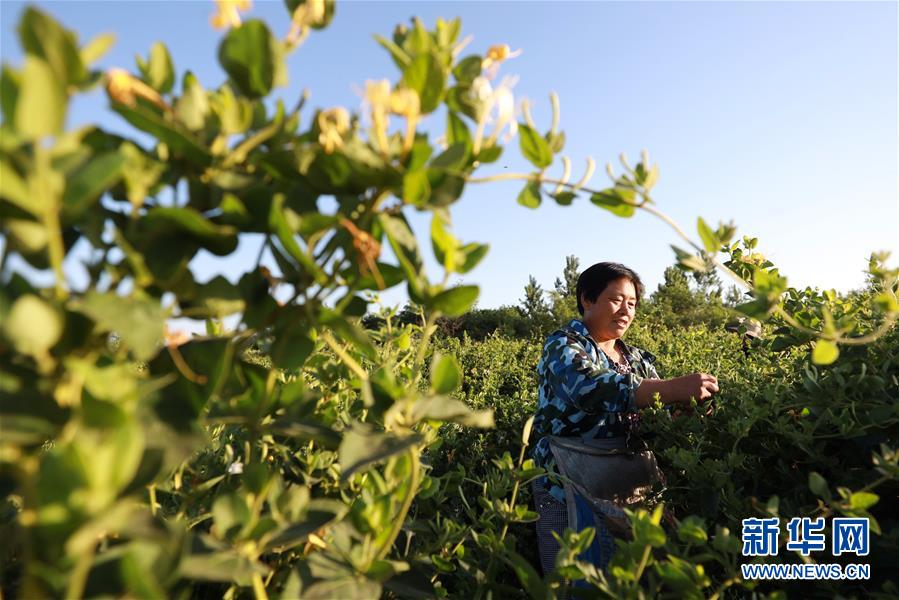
405, 102
235, 468
498, 108
481, 89
378, 99
504, 101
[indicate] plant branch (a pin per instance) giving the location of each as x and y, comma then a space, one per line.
645, 205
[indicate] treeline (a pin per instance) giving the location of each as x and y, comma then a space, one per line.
681, 300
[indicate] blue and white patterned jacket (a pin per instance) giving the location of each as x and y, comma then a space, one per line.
581, 394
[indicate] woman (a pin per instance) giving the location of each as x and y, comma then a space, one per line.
592, 386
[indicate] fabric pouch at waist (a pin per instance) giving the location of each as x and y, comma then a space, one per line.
607, 469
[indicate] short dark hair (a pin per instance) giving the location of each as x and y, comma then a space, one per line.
597, 278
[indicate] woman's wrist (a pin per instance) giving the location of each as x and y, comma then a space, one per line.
648, 388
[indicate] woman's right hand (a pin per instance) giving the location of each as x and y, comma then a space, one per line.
678, 390
695, 385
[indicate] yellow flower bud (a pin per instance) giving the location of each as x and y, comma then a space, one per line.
405, 102
498, 52
332, 124
306, 15
496, 55
125, 88
227, 13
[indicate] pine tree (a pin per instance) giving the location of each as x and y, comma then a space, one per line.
564, 296
734, 296
534, 304
567, 284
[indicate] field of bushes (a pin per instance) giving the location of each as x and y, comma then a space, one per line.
323, 446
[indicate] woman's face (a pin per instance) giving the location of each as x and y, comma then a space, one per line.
613, 311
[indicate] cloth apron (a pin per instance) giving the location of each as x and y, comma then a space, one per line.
600, 477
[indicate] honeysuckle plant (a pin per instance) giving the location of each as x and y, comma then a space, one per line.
142, 461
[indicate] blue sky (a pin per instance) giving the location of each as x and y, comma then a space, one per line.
780, 116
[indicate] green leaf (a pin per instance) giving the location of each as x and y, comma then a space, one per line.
218, 239
32, 325
391, 274
95, 49
400, 56
530, 195
226, 566
709, 238
291, 348
416, 188
534, 147
43, 37
692, 531
220, 297
472, 254
420, 153
443, 408
405, 247
526, 432
443, 242
825, 352
351, 332
768, 283
85, 187
564, 198
887, 302
173, 134
456, 130
279, 225
863, 500
527, 575
818, 485
363, 445
556, 141
453, 158
688, 261
618, 201
193, 105
295, 534
14, 189
345, 588
10, 84
490, 154
158, 71
446, 374
426, 75
41, 104
138, 321
455, 301
248, 56
647, 532
467, 69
